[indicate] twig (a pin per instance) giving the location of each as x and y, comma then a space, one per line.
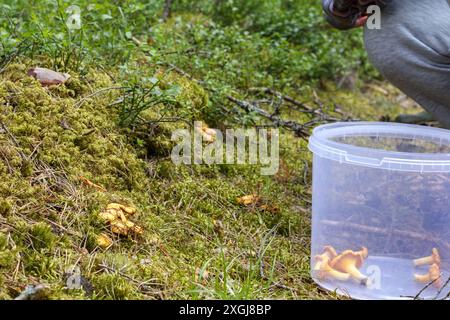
83, 100
187, 75
442, 289
299, 129
284, 97
417, 296
282, 286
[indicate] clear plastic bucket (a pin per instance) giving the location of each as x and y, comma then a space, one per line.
381, 201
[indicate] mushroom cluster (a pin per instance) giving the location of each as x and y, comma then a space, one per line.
117, 217
342, 267
434, 272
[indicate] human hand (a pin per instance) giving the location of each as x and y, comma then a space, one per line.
361, 21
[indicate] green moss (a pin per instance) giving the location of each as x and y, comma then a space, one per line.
110, 286
5, 207
6, 258
189, 213
42, 264
42, 237
3, 241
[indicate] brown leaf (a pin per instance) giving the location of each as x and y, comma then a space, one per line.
48, 77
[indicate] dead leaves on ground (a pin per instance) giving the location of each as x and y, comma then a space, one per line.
117, 216
255, 201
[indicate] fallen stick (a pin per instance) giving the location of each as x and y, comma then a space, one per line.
80, 102
284, 97
299, 129
401, 233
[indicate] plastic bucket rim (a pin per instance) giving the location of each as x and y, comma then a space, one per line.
321, 144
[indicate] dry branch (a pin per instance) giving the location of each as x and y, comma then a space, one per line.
299, 129
284, 97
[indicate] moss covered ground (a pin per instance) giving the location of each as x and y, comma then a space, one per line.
65, 155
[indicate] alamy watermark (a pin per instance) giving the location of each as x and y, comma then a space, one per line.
235, 146
374, 17
73, 21
73, 280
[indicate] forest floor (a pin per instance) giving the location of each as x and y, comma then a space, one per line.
64, 158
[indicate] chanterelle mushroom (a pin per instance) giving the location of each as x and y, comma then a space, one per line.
329, 253
327, 272
364, 252
350, 262
48, 77
433, 259
433, 275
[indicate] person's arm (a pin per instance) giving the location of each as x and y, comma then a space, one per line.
347, 14
341, 14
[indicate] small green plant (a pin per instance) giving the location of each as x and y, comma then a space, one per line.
142, 94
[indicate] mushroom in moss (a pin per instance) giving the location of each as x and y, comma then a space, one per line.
433, 275
435, 258
329, 253
350, 262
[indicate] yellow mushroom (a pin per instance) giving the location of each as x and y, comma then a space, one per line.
120, 207
433, 259
209, 135
433, 275
329, 253
350, 262
327, 272
117, 217
108, 215
104, 241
